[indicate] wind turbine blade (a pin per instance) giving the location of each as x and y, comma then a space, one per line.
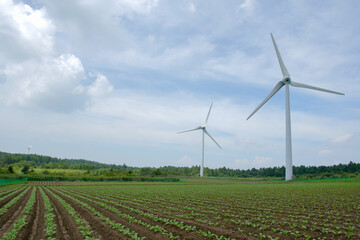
208, 114
301, 85
282, 65
211, 137
272, 93
189, 130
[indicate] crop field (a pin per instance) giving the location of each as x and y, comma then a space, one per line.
183, 210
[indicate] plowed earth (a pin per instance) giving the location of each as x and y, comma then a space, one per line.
320, 211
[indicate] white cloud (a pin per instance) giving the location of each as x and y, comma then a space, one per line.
247, 5
165, 59
342, 138
49, 83
101, 86
325, 152
138, 6
185, 161
25, 32
192, 7
257, 162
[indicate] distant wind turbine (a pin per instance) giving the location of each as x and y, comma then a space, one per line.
203, 128
286, 81
29, 148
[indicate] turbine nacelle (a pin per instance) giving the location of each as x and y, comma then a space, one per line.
286, 80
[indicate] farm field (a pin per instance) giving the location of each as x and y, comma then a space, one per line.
195, 209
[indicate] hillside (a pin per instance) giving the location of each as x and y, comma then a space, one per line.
40, 165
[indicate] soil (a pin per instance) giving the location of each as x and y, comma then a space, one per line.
34, 229
66, 226
6, 200
170, 228
8, 219
100, 228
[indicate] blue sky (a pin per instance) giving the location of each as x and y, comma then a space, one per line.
114, 81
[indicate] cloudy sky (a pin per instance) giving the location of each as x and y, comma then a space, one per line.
113, 81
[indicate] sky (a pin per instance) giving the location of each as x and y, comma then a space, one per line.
114, 81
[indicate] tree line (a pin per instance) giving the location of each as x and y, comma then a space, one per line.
26, 162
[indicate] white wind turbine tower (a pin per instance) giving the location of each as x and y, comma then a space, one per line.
28, 148
286, 81
203, 128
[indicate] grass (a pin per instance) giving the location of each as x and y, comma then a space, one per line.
66, 172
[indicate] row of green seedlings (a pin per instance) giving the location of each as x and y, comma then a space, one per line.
85, 229
295, 233
131, 219
50, 225
192, 215
198, 214
205, 221
10, 193
323, 228
264, 227
173, 211
81, 224
6, 190
109, 200
22, 220
12, 201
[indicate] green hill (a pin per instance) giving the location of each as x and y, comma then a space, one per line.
33, 165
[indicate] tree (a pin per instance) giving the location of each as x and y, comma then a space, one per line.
25, 169
10, 169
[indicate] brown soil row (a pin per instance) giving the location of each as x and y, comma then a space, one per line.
138, 228
8, 219
233, 227
171, 228
12, 190
34, 229
8, 199
100, 228
66, 226
309, 225
315, 234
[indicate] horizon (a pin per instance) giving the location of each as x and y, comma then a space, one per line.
283, 166
113, 82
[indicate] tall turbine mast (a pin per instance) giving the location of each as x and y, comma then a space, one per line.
203, 128
286, 81
28, 148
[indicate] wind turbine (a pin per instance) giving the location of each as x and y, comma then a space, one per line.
29, 148
203, 128
286, 81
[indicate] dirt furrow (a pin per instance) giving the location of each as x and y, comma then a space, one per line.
102, 230
133, 226
66, 226
204, 227
171, 228
34, 229
8, 199
6, 192
7, 220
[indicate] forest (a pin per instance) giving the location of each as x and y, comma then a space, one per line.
34, 166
